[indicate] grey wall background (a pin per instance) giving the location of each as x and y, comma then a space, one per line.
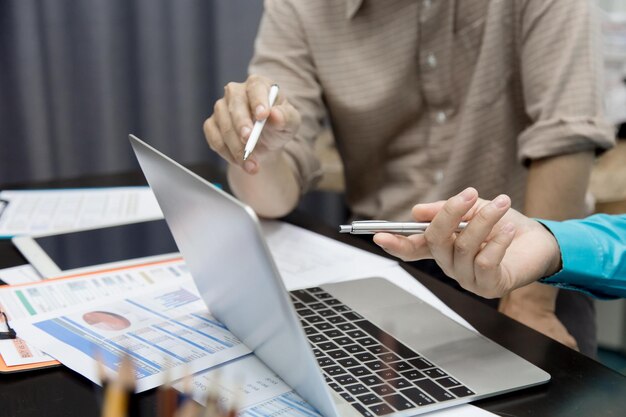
76, 76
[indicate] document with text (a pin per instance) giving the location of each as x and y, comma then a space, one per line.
168, 333
33, 299
47, 211
304, 256
21, 274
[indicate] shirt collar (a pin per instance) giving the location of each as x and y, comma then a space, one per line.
352, 6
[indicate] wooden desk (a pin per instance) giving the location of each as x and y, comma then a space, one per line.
580, 386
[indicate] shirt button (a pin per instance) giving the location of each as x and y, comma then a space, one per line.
438, 176
431, 60
441, 117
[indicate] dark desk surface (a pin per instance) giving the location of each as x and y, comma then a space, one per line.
580, 386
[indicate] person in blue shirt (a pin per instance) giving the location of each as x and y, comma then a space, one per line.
501, 249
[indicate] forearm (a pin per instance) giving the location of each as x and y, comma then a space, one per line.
555, 190
556, 186
272, 192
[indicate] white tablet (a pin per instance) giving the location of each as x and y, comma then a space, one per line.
96, 249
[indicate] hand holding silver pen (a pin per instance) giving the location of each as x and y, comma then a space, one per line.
370, 227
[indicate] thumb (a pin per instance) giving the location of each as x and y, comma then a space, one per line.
285, 118
407, 248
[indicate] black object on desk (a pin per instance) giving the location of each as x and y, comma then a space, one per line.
579, 386
10, 332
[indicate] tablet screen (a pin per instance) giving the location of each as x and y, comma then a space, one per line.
110, 244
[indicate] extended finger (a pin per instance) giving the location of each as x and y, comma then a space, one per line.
214, 139
440, 234
257, 90
239, 109
407, 248
468, 243
230, 137
426, 211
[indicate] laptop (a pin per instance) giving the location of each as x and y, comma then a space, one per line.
358, 348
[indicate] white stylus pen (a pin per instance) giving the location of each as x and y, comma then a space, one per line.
258, 125
369, 227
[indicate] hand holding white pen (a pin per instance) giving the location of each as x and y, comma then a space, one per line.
258, 125
246, 107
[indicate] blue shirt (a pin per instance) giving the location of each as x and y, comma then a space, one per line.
593, 251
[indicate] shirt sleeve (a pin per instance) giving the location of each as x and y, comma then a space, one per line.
593, 253
282, 55
561, 72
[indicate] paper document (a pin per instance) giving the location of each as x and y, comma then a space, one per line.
16, 352
19, 301
22, 301
168, 333
30, 212
303, 256
289, 403
21, 274
255, 388
246, 381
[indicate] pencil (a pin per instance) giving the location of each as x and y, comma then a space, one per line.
118, 391
167, 400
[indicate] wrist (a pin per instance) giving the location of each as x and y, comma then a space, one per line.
554, 262
534, 296
270, 157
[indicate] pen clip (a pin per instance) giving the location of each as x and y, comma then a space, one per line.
370, 221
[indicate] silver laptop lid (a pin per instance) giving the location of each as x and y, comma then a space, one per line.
221, 241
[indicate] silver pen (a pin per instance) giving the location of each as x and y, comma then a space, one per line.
369, 227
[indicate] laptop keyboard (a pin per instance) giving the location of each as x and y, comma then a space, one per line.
370, 369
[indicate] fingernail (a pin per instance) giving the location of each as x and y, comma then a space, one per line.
259, 109
245, 132
467, 194
500, 201
249, 166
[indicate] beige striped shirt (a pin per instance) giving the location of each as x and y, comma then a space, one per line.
427, 97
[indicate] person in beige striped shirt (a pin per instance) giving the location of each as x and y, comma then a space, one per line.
424, 99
